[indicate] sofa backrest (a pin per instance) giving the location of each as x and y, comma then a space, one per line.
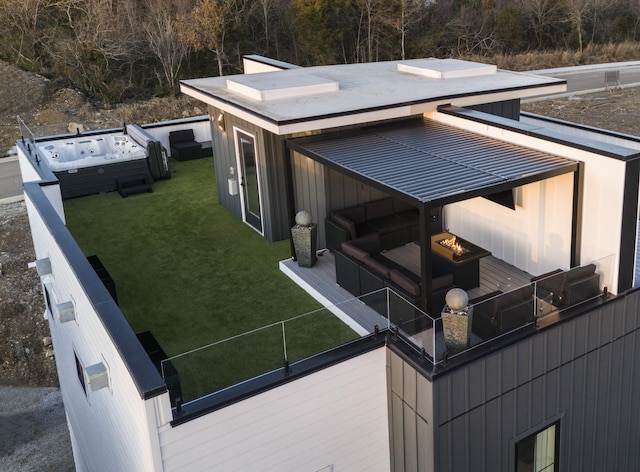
181, 136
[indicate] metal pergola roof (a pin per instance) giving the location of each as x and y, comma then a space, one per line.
428, 162
432, 164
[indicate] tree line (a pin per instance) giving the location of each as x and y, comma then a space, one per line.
120, 49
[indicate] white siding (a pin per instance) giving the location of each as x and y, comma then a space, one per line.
336, 417
111, 426
201, 131
536, 237
603, 192
30, 174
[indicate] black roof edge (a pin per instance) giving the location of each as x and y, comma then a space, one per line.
145, 376
271, 62
276, 378
363, 110
543, 133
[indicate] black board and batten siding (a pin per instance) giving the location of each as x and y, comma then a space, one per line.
582, 373
275, 217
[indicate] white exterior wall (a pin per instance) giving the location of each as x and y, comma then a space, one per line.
201, 131
535, 237
335, 420
113, 428
29, 174
603, 194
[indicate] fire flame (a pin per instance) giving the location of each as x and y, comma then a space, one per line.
455, 246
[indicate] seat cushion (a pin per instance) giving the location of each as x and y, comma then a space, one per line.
405, 283
354, 251
377, 266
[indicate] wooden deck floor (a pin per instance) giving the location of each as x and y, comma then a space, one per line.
320, 282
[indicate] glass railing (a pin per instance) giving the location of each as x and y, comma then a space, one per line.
502, 313
219, 365
565, 288
222, 364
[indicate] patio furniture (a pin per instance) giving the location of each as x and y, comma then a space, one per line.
498, 313
134, 184
569, 287
164, 366
184, 147
463, 264
104, 275
393, 220
362, 269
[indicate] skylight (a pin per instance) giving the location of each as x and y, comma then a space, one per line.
275, 85
446, 68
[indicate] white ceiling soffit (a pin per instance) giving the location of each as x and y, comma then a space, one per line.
446, 68
275, 85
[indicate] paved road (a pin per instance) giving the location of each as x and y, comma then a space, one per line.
591, 78
10, 180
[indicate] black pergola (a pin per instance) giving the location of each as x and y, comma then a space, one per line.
429, 164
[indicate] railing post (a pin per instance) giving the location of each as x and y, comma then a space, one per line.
284, 346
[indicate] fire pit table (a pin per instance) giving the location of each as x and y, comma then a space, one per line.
458, 257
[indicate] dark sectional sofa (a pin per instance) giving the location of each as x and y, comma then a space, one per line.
184, 147
499, 313
393, 220
362, 268
569, 287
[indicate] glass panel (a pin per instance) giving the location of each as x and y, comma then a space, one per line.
537, 453
250, 176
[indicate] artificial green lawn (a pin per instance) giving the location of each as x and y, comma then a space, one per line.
190, 272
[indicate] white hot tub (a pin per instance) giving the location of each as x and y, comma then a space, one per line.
82, 152
86, 165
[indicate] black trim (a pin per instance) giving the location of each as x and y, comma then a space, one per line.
145, 376
628, 236
290, 193
271, 380
576, 219
359, 111
270, 62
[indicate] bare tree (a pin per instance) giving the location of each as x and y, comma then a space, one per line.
542, 14
161, 31
21, 18
206, 26
92, 45
578, 12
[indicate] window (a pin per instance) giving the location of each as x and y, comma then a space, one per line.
80, 371
539, 451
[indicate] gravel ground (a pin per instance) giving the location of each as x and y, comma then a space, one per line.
33, 431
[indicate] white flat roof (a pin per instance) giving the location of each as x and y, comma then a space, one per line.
322, 97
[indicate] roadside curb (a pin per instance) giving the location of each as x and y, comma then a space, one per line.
16, 199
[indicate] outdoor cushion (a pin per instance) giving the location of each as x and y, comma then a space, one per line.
377, 266
405, 283
355, 214
378, 209
354, 251
346, 224
443, 281
181, 136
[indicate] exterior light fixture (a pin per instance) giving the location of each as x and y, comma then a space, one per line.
97, 376
66, 311
220, 121
43, 266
